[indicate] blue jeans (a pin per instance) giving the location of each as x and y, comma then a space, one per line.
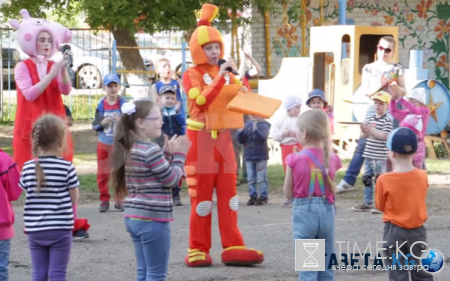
257, 174
5, 247
151, 241
314, 219
354, 168
372, 169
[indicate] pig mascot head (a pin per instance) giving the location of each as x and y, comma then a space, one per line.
29, 29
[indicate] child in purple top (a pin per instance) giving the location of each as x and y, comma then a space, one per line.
309, 181
415, 116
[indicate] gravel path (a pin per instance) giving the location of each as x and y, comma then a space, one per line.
109, 255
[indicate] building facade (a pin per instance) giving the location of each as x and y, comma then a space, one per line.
423, 25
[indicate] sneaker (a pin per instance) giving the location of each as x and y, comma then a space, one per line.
375, 211
288, 203
177, 201
252, 201
343, 187
119, 207
262, 201
104, 207
362, 208
80, 234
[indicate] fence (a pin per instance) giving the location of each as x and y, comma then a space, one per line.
92, 55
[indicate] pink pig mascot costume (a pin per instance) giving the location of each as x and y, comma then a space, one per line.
39, 88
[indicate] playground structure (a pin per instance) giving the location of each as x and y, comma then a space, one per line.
337, 55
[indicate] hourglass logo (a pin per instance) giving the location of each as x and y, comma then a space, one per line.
309, 254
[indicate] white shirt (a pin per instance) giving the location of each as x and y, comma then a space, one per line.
287, 123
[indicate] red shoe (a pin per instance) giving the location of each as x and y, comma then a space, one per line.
197, 258
240, 255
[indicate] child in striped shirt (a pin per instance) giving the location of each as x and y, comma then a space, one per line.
143, 177
51, 186
376, 129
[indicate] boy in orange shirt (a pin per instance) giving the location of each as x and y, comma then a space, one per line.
401, 196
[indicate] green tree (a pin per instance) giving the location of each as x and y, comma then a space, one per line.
125, 17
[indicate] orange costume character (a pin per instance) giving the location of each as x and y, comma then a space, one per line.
211, 162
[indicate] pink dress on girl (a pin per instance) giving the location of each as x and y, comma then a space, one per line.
416, 119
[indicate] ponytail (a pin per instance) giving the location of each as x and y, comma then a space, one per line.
122, 147
326, 160
123, 142
40, 176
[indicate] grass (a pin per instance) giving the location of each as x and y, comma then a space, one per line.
82, 107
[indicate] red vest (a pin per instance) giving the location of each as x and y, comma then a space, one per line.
49, 102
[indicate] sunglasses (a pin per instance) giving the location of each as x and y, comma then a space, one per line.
386, 50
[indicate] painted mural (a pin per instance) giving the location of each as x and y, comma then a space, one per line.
424, 25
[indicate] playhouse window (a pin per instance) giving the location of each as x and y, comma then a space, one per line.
345, 62
324, 74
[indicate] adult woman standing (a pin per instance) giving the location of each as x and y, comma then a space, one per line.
383, 73
39, 81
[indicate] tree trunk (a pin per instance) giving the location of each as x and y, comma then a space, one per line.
132, 61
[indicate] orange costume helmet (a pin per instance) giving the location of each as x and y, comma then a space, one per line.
205, 34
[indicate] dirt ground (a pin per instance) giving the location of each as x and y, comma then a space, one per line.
108, 254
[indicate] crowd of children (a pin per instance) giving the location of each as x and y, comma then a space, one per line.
142, 149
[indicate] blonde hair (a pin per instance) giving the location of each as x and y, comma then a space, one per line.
49, 134
390, 40
123, 142
160, 62
317, 127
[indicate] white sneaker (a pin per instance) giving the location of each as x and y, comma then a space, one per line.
376, 211
343, 187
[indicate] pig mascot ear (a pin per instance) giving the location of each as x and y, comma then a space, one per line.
24, 13
14, 23
68, 36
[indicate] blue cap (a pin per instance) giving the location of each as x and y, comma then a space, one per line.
402, 141
317, 93
111, 78
167, 88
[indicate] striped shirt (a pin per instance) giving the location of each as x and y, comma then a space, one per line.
376, 149
150, 176
51, 208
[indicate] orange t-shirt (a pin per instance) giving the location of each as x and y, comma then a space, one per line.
401, 197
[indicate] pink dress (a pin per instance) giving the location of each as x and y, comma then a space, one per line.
416, 119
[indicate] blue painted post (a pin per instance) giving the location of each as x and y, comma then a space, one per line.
183, 69
183, 57
343, 21
114, 59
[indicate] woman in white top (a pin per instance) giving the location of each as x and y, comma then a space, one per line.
384, 73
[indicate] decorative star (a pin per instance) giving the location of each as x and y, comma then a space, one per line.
433, 107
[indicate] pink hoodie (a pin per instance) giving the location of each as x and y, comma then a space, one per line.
9, 191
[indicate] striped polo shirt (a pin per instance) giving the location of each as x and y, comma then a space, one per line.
51, 208
376, 149
150, 176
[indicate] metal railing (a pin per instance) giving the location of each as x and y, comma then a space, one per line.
93, 59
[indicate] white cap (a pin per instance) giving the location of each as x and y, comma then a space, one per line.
292, 101
419, 94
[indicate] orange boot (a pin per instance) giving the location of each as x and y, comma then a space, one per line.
197, 258
240, 255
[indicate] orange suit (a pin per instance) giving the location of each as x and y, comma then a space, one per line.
210, 161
